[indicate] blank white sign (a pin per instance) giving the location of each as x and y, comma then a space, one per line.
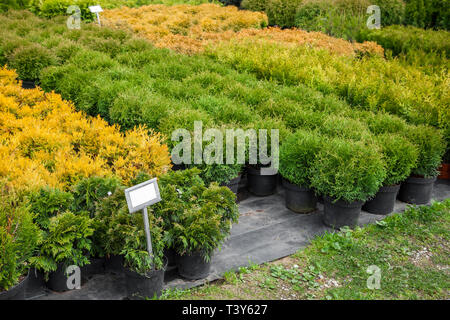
142, 195
95, 9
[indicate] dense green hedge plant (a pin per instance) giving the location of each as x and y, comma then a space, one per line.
345, 18
254, 5
399, 155
348, 170
297, 155
281, 13
47, 203
404, 39
428, 13
30, 60
14, 4
19, 238
220, 173
431, 147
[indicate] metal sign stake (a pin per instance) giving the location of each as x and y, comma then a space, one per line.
96, 9
147, 233
139, 197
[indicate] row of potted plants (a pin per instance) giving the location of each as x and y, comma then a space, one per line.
56, 229
105, 72
62, 203
351, 174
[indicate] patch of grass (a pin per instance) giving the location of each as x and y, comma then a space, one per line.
411, 251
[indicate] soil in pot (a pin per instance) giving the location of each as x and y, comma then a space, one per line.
193, 266
384, 201
16, 292
261, 185
341, 213
233, 185
299, 199
416, 190
144, 286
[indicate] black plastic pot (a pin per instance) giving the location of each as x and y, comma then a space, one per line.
233, 185
341, 213
114, 264
383, 202
170, 254
193, 266
320, 199
261, 185
97, 266
144, 286
299, 199
177, 167
16, 292
28, 84
416, 190
57, 280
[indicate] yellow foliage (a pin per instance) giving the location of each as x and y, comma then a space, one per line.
45, 142
189, 29
182, 27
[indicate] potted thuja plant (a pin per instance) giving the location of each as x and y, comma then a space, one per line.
400, 156
19, 237
66, 235
296, 157
29, 61
431, 146
197, 219
263, 156
124, 237
66, 242
346, 173
88, 194
219, 160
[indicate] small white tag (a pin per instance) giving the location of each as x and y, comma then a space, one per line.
96, 9
143, 195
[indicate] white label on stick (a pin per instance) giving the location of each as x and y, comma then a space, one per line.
143, 195
95, 9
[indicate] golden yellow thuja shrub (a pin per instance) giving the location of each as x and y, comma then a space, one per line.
44, 141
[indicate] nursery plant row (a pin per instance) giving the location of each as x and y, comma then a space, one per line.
128, 82
357, 72
346, 18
